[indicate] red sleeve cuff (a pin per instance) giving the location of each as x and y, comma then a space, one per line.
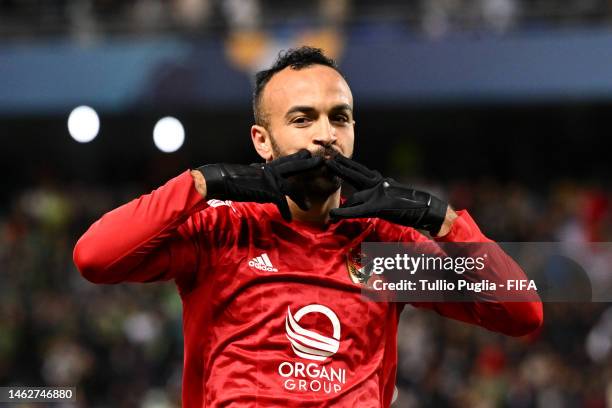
464, 229
194, 200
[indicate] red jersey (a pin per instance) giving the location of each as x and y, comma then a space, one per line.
271, 316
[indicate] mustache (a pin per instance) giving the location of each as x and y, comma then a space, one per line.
325, 151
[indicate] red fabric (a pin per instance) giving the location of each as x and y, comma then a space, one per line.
238, 318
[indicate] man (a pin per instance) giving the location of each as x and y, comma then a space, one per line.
271, 314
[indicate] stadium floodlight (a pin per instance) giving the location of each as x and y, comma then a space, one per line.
83, 124
168, 134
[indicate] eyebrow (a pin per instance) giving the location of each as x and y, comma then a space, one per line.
308, 109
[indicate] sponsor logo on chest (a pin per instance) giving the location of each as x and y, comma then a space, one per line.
307, 373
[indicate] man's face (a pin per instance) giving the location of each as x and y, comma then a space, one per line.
310, 108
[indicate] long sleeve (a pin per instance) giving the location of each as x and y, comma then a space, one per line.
147, 239
511, 318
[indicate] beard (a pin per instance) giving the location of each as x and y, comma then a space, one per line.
316, 184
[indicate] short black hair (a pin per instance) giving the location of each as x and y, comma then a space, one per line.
296, 58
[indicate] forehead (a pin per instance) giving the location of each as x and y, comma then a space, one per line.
317, 86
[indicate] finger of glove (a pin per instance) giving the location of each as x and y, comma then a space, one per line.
359, 197
283, 208
358, 211
299, 155
277, 187
302, 154
284, 188
298, 165
352, 164
299, 197
355, 177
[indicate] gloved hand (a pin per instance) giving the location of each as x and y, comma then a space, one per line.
385, 198
260, 182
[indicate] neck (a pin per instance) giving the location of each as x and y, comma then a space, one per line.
319, 210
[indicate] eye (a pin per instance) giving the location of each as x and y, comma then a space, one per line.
301, 120
341, 118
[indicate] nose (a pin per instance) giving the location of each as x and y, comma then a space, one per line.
326, 134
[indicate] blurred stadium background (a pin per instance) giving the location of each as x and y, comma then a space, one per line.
501, 106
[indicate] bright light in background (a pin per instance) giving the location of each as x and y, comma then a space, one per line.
83, 124
168, 134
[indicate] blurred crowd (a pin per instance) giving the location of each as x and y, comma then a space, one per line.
432, 17
121, 345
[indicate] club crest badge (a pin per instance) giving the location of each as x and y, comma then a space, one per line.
358, 266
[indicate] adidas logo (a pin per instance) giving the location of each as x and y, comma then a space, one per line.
262, 262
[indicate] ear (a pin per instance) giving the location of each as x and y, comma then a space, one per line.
261, 142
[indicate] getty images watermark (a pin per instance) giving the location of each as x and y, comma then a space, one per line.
510, 272
432, 263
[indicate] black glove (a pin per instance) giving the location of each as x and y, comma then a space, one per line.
385, 198
260, 182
